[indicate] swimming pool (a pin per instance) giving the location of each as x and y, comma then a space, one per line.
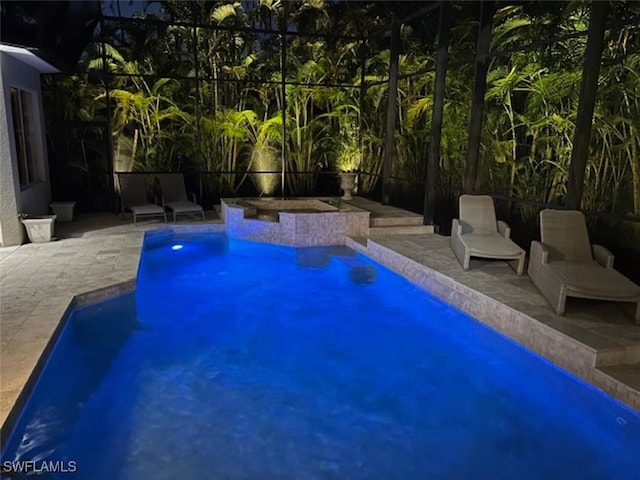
240, 360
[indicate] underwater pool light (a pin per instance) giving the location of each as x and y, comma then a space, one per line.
176, 247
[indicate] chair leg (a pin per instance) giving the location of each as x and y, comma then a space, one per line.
561, 302
467, 261
459, 251
518, 264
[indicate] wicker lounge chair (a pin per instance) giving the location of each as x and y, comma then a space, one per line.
478, 234
133, 197
565, 264
174, 195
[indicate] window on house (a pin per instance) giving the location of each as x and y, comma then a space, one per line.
23, 109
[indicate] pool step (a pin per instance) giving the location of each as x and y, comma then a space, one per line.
319, 257
396, 220
360, 271
625, 378
629, 354
401, 230
396, 223
629, 373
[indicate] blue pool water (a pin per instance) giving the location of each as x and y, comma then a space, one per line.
238, 360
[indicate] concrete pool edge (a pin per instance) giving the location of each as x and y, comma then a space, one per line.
565, 352
77, 301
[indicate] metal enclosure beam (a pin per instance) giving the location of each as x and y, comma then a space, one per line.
283, 87
109, 130
362, 95
199, 102
477, 97
433, 161
392, 111
588, 92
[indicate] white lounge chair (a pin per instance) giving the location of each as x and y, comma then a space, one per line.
133, 197
478, 234
174, 195
565, 264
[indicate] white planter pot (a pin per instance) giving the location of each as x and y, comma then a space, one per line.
64, 210
39, 229
347, 183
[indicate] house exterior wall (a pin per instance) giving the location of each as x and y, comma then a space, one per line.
32, 199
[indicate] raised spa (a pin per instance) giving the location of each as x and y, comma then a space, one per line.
295, 222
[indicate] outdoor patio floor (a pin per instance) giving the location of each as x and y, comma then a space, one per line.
96, 251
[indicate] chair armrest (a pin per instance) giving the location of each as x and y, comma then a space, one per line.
603, 256
539, 253
456, 227
504, 229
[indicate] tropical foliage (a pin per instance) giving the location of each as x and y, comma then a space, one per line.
199, 88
